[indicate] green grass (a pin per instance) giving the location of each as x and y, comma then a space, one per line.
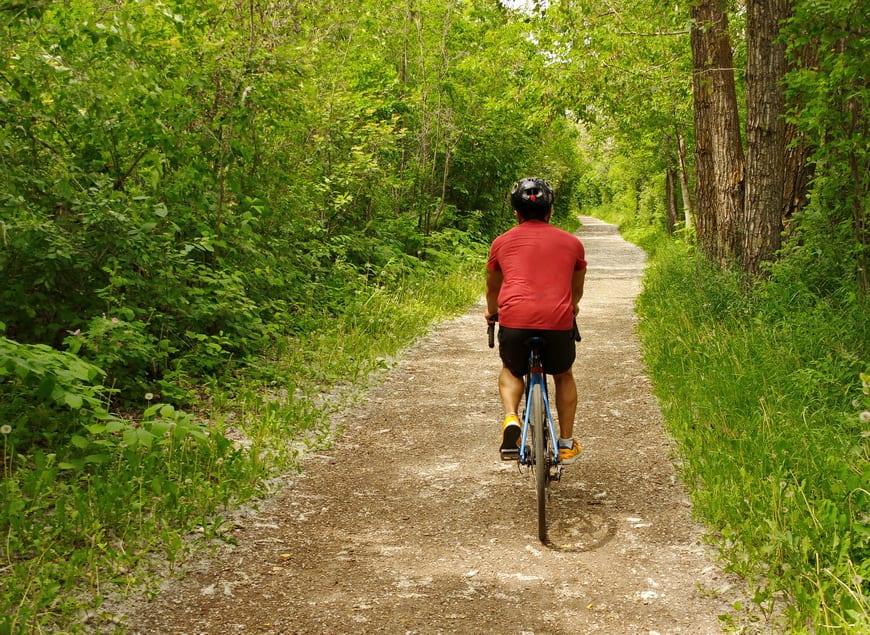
83, 520
767, 402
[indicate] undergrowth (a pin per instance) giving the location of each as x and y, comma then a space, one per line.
766, 392
83, 516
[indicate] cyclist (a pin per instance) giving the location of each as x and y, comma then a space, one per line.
534, 282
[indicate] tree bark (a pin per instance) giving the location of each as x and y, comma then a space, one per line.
720, 161
760, 227
702, 91
684, 181
671, 194
796, 167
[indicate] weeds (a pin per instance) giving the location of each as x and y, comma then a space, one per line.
769, 404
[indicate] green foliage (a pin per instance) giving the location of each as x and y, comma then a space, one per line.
768, 403
626, 76
45, 394
190, 189
82, 521
206, 196
828, 43
187, 190
75, 523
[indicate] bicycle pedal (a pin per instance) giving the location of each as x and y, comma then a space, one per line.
509, 454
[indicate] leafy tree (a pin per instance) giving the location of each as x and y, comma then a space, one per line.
624, 73
182, 183
828, 102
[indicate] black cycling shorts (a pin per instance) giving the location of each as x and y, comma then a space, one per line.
558, 352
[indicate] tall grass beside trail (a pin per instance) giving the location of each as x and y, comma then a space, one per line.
765, 391
93, 520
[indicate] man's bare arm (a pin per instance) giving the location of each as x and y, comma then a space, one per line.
577, 283
494, 280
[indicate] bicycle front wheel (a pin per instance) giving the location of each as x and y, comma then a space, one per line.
538, 420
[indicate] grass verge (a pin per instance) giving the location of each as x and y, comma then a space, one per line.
768, 400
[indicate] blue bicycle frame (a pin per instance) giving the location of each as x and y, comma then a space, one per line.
536, 377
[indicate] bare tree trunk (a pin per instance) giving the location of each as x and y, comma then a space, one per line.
702, 90
684, 181
717, 126
798, 172
671, 194
445, 177
761, 222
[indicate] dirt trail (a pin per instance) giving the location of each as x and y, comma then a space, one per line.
411, 524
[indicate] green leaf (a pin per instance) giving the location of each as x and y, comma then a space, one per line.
157, 485
196, 433
145, 438
130, 437
73, 400
84, 371
160, 427
150, 411
79, 441
46, 387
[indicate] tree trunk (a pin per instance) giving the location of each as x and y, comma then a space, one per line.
671, 193
719, 152
684, 181
761, 223
798, 171
702, 91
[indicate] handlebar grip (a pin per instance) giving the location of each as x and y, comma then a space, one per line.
490, 330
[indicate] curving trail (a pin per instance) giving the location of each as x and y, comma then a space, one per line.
411, 524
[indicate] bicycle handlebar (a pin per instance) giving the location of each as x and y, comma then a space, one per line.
490, 330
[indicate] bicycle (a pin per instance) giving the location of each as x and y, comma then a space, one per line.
542, 457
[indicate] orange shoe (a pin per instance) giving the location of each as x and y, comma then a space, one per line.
567, 456
510, 437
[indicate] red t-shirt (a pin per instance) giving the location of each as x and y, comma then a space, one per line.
538, 262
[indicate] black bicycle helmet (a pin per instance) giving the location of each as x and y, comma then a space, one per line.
532, 197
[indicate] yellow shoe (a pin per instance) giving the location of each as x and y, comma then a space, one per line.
568, 455
510, 437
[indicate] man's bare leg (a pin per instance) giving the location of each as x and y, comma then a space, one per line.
566, 402
510, 388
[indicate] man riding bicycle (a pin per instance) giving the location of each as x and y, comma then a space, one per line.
534, 282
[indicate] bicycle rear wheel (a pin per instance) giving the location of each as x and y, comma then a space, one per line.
538, 420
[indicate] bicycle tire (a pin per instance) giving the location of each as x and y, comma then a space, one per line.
538, 420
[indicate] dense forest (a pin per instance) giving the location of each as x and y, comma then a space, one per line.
213, 213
